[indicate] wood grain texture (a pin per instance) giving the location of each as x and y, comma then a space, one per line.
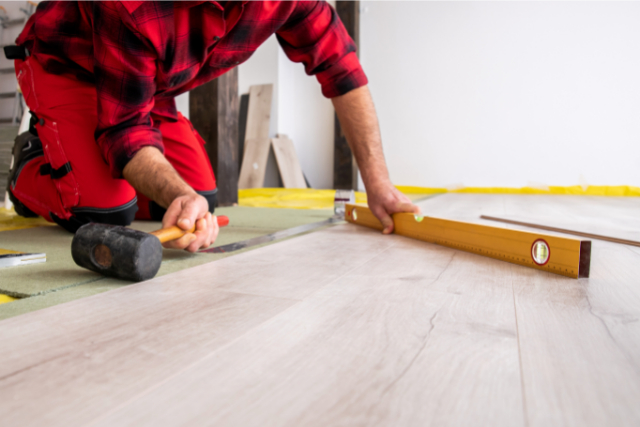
580, 343
104, 350
579, 340
213, 110
345, 327
254, 163
398, 341
288, 163
76, 361
259, 112
256, 142
242, 125
299, 267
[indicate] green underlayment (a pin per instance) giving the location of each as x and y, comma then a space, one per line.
59, 279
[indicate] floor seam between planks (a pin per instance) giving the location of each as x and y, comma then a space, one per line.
615, 342
209, 355
258, 295
525, 412
415, 357
427, 337
632, 249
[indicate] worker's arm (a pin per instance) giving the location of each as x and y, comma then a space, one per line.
314, 35
150, 173
130, 144
359, 123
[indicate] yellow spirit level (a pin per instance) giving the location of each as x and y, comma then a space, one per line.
560, 255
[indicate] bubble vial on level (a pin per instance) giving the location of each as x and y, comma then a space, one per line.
540, 252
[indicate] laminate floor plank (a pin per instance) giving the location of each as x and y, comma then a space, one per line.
463, 207
347, 327
580, 343
298, 267
580, 339
68, 364
106, 349
419, 335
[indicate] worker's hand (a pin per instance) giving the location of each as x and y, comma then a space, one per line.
384, 199
186, 210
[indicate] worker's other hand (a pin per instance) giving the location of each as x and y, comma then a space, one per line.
185, 211
384, 200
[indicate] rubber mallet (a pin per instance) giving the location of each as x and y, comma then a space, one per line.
124, 253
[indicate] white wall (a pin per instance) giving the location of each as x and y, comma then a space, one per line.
299, 110
262, 68
506, 93
307, 117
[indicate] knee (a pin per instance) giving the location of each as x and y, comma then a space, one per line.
120, 215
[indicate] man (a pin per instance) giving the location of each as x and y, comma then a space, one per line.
101, 77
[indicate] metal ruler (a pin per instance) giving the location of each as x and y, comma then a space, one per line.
560, 255
282, 234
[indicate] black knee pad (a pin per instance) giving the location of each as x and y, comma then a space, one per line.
120, 215
26, 147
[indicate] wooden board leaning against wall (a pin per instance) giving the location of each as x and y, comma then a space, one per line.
257, 145
256, 140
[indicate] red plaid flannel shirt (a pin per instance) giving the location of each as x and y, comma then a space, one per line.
141, 54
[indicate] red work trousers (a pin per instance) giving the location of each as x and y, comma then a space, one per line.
66, 109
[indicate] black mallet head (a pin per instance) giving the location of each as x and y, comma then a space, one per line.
117, 251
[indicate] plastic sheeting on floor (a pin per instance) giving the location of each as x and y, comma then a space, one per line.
298, 198
308, 198
10, 220
5, 298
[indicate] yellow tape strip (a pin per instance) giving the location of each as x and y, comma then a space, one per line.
592, 190
323, 199
291, 198
9, 220
5, 298
8, 251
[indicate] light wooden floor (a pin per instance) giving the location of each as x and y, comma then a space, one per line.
346, 327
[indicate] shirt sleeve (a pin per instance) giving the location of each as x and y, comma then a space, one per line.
125, 71
314, 35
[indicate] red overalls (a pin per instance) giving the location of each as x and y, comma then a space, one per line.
81, 184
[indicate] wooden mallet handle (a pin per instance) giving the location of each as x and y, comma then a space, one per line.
175, 232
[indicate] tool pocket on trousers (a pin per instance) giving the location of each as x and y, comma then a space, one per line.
58, 167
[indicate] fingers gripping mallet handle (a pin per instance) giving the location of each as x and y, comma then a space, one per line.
175, 232
122, 252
